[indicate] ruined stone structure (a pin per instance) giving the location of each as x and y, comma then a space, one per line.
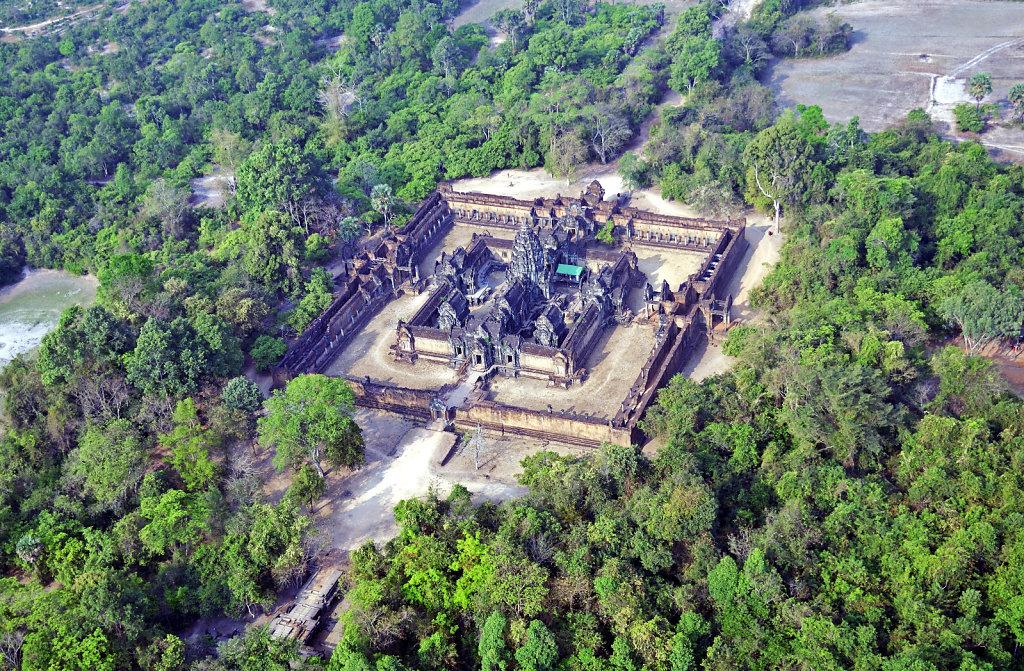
532, 307
517, 326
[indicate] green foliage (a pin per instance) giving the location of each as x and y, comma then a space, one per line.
190, 447
779, 164
12, 256
538, 651
267, 351
272, 252
175, 520
310, 421
319, 293
307, 487
968, 119
980, 86
492, 649
1016, 98
170, 358
243, 394
277, 176
983, 312
846, 497
109, 462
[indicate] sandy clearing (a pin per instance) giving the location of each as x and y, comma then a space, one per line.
907, 55
669, 265
537, 183
369, 353
49, 22
258, 6
402, 462
210, 191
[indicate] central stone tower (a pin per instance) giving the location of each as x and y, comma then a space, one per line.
527, 262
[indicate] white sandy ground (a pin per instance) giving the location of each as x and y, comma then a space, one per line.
210, 190
410, 473
761, 256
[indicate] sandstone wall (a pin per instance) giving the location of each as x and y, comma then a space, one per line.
564, 427
409, 402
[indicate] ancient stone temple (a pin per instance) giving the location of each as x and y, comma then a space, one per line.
532, 296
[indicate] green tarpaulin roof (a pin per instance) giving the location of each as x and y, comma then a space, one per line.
566, 269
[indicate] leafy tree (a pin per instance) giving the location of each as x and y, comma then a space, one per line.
1016, 98
982, 313
276, 176
968, 119
110, 461
307, 487
779, 160
167, 360
272, 252
319, 294
492, 649
218, 345
176, 520
539, 652
190, 447
126, 283
383, 202
241, 393
633, 171
12, 255
697, 61
979, 87
350, 228
311, 421
266, 352
257, 649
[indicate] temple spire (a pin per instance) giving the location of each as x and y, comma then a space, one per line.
527, 262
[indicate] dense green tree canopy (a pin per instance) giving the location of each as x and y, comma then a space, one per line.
310, 421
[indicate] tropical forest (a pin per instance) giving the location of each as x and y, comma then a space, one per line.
847, 494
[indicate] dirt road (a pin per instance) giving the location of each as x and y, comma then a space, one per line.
49, 22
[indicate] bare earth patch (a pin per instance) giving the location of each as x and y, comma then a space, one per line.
537, 183
258, 6
668, 265
209, 191
908, 55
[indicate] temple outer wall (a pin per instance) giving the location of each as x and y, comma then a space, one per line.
400, 400
572, 429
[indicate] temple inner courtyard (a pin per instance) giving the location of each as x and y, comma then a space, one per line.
612, 365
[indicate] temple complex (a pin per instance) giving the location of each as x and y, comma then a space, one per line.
531, 297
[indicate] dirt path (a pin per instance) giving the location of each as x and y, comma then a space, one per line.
364, 511
49, 22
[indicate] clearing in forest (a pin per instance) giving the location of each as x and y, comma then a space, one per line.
909, 55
